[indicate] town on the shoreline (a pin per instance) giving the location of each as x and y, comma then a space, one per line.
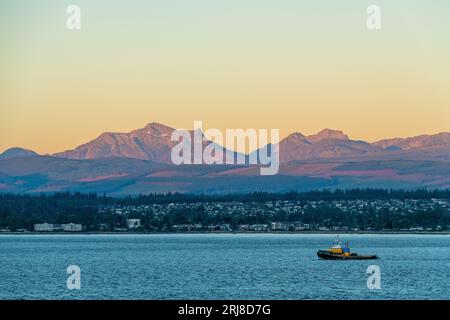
320, 211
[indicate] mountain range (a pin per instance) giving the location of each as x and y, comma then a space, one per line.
140, 162
153, 143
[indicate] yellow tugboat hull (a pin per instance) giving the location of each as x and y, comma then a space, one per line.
338, 256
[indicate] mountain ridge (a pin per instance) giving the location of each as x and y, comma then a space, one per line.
17, 152
153, 143
139, 162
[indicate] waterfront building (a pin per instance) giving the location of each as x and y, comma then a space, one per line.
72, 227
133, 223
43, 227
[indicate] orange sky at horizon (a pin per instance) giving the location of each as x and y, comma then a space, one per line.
260, 64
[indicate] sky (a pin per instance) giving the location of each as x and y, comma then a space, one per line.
300, 66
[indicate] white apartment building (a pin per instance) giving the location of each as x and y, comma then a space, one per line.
43, 227
133, 223
72, 227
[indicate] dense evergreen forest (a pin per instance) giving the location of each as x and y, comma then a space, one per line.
22, 211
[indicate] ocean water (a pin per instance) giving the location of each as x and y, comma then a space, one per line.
221, 266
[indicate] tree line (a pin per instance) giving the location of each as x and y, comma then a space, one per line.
22, 211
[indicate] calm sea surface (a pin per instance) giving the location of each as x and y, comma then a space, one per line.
224, 266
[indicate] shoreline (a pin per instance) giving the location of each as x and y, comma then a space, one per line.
444, 233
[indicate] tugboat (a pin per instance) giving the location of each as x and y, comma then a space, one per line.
337, 252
